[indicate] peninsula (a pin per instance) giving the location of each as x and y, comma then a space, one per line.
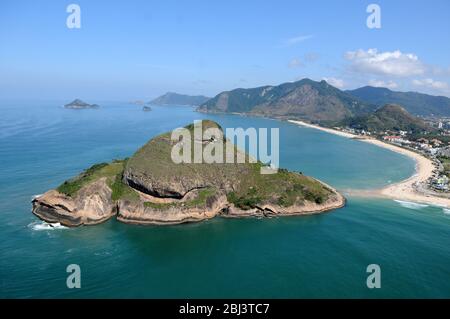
150, 188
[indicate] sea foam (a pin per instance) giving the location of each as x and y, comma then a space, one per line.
46, 226
411, 205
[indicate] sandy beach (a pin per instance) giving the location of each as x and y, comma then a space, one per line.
403, 190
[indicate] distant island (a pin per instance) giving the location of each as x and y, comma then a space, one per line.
171, 98
149, 188
79, 104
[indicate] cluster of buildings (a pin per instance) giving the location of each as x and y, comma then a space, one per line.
427, 146
440, 183
430, 147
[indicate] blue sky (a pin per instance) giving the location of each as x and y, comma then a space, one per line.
139, 49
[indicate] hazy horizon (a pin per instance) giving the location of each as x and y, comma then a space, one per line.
140, 50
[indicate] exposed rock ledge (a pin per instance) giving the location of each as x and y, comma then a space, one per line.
92, 205
97, 207
149, 189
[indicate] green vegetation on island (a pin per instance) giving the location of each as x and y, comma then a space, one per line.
151, 188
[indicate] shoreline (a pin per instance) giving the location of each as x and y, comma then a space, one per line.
403, 190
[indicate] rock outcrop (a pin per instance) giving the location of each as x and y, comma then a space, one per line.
173, 212
151, 188
91, 205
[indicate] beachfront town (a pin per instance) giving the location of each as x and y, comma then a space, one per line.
435, 147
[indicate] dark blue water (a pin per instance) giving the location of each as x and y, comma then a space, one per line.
42, 144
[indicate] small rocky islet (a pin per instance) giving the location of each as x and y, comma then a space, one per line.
78, 104
149, 188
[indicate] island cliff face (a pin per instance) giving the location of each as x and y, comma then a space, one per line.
150, 189
91, 205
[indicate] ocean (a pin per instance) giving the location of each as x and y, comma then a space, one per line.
320, 256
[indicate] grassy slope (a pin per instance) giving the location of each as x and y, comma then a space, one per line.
283, 188
250, 188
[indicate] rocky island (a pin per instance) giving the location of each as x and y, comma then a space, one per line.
150, 188
78, 104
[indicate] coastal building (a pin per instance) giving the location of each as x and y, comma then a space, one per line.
444, 151
396, 139
440, 183
392, 138
436, 142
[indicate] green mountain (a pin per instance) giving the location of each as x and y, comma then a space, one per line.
171, 98
304, 99
389, 117
414, 102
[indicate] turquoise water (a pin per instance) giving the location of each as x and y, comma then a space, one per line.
326, 255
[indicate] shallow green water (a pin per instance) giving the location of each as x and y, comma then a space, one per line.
326, 255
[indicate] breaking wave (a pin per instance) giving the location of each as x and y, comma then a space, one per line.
46, 226
411, 205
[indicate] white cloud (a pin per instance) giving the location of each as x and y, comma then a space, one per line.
298, 39
432, 84
393, 63
385, 84
295, 63
339, 83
